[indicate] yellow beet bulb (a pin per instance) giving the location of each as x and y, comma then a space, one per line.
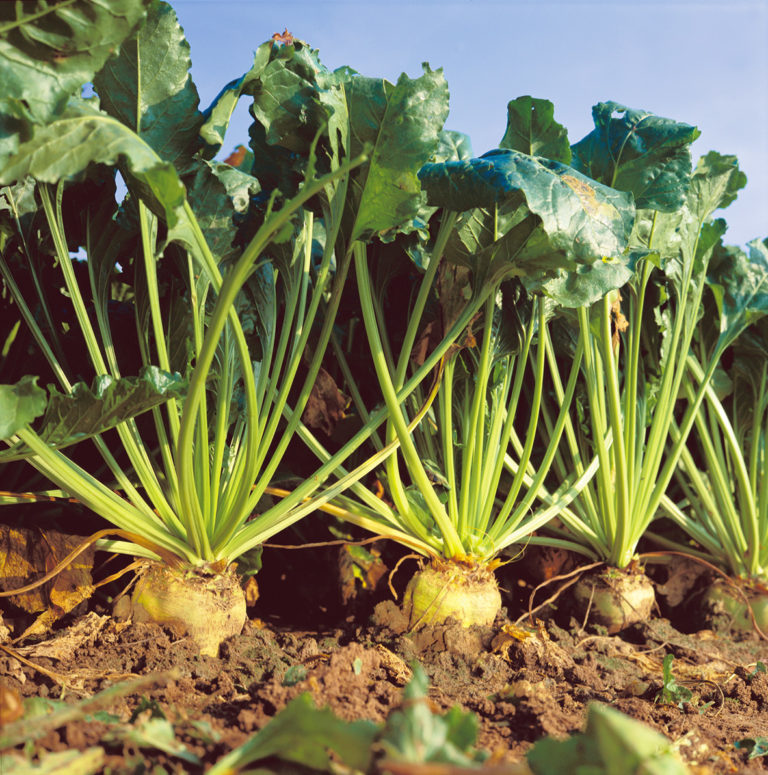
615, 599
210, 606
444, 590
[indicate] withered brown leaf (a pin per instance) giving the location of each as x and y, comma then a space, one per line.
29, 553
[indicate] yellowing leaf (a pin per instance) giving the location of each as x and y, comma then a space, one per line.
29, 553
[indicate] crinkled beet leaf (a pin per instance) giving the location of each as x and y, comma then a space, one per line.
639, 152
50, 48
530, 217
401, 123
739, 283
532, 129
453, 146
20, 405
300, 115
91, 136
306, 735
219, 113
87, 412
148, 88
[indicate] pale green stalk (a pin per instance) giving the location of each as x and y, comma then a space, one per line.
724, 503
473, 429
92, 493
126, 430
453, 545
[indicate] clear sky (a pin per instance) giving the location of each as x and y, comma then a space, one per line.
704, 63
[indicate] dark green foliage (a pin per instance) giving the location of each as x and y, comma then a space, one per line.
532, 129
50, 48
638, 152
85, 411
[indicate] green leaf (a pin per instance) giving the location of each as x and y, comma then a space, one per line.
303, 734
293, 675
93, 204
50, 716
553, 191
716, 182
90, 136
257, 308
626, 745
578, 755
750, 356
638, 152
296, 102
453, 146
584, 284
11, 130
217, 192
145, 704
757, 746
402, 125
511, 316
155, 733
472, 183
740, 287
612, 744
147, 87
72, 762
415, 735
532, 129
18, 200
671, 692
296, 96
87, 412
531, 217
20, 405
274, 167
50, 48
657, 234
684, 240
239, 185
462, 729
217, 115
759, 668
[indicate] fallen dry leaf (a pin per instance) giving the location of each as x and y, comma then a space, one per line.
64, 645
515, 643
283, 38
29, 553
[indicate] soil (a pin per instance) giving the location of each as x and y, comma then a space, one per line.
524, 678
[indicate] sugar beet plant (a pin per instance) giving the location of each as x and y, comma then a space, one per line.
226, 276
637, 347
721, 500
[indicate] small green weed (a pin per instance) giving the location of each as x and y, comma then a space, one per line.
759, 668
294, 674
757, 746
671, 692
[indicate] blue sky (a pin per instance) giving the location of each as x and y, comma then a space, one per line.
705, 63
